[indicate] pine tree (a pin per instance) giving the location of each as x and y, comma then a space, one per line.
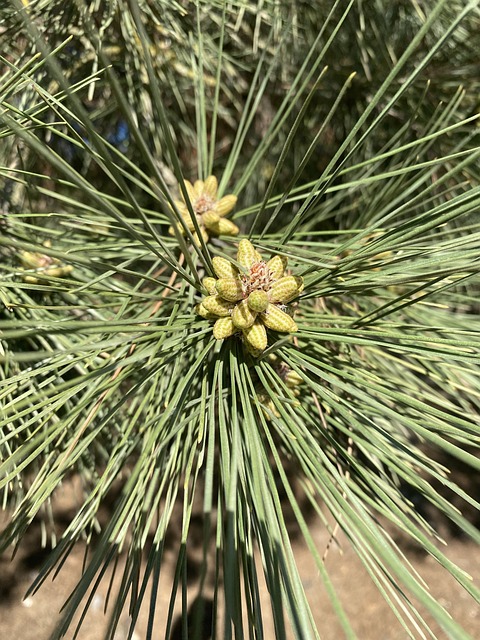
239, 268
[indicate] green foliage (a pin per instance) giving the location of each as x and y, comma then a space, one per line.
364, 175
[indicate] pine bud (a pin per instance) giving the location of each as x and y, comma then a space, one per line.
276, 319
187, 218
210, 219
242, 316
225, 205
209, 284
223, 268
224, 227
268, 406
205, 313
285, 289
293, 379
217, 305
223, 328
229, 288
197, 188
210, 186
258, 301
204, 235
247, 254
189, 189
256, 336
277, 266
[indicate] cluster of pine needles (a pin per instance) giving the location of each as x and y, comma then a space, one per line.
345, 139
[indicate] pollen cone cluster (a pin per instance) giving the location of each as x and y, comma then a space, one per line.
251, 299
209, 212
46, 265
291, 379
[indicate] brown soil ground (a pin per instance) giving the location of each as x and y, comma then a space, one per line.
34, 618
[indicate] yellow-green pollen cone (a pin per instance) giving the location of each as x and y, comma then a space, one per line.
209, 211
291, 379
47, 266
252, 298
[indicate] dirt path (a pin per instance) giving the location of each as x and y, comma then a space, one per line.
35, 618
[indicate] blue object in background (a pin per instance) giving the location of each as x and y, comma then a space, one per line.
118, 136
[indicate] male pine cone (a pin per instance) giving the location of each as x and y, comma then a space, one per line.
250, 300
